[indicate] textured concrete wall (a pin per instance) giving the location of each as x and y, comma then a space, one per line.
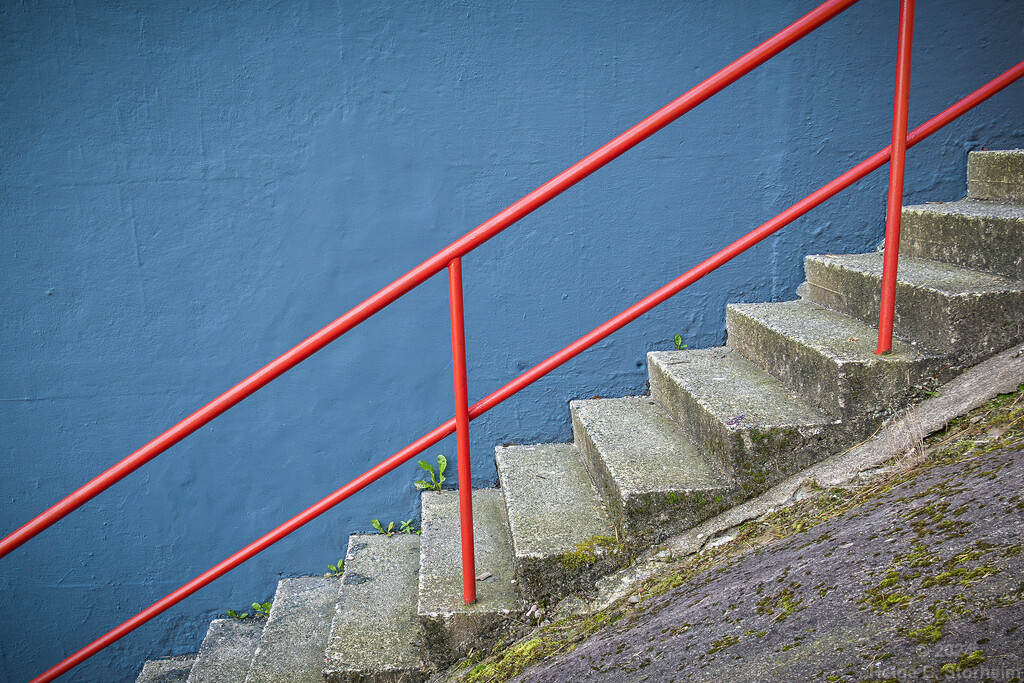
188, 189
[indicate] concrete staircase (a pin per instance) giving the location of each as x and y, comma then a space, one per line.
797, 382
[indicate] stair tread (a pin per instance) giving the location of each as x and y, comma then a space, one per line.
963, 313
551, 503
375, 629
977, 208
736, 391
440, 589
643, 449
227, 650
944, 278
291, 649
830, 333
166, 670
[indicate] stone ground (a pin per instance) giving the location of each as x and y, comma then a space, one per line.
923, 581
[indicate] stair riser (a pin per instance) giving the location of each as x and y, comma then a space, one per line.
400, 676
375, 635
599, 474
171, 670
227, 651
561, 534
858, 393
996, 176
987, 243
544, 581
969, 326
450, 637
292, 647
758, 458
450, 628
647, 516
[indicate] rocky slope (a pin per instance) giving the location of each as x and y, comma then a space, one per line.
917, 575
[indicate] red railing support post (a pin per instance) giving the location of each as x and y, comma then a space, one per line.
462, 430
894, 207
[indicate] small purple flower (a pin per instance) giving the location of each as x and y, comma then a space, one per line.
736, 420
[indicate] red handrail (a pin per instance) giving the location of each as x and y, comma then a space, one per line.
894, 206
752, 238
430, 267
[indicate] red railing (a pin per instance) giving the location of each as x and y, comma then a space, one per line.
450, 258
431, 267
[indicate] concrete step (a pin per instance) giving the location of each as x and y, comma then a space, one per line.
562, 536
829, 358
997, 175
227, 651
375, 636
292, 647
948, 308
450, 627
986, 236
169, 670
752, 425
652, 478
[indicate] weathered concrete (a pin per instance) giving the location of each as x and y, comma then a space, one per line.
227, 650
950, 309
170, 670
292, 647
924, 576
375, 636
739, 415
986, 236
652, 478
998, 375
559, 526
996, 174
451, 627
829, 358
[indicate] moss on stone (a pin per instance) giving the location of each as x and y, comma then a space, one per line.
516, 658
932, 632
588, 552
723, 643
966, 661
785, 603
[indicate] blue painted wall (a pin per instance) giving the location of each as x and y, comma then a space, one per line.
190, 189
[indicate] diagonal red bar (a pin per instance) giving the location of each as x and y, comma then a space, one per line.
435, 264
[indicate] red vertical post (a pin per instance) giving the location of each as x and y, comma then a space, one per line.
896, 162
462, 430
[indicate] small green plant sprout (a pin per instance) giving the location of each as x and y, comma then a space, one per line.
261, 610
235, 615
406, 528
390, 531
335, 569
435, 481
678, 339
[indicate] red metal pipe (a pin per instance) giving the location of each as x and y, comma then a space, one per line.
900, 106
819, 196
462, 431
435, 264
